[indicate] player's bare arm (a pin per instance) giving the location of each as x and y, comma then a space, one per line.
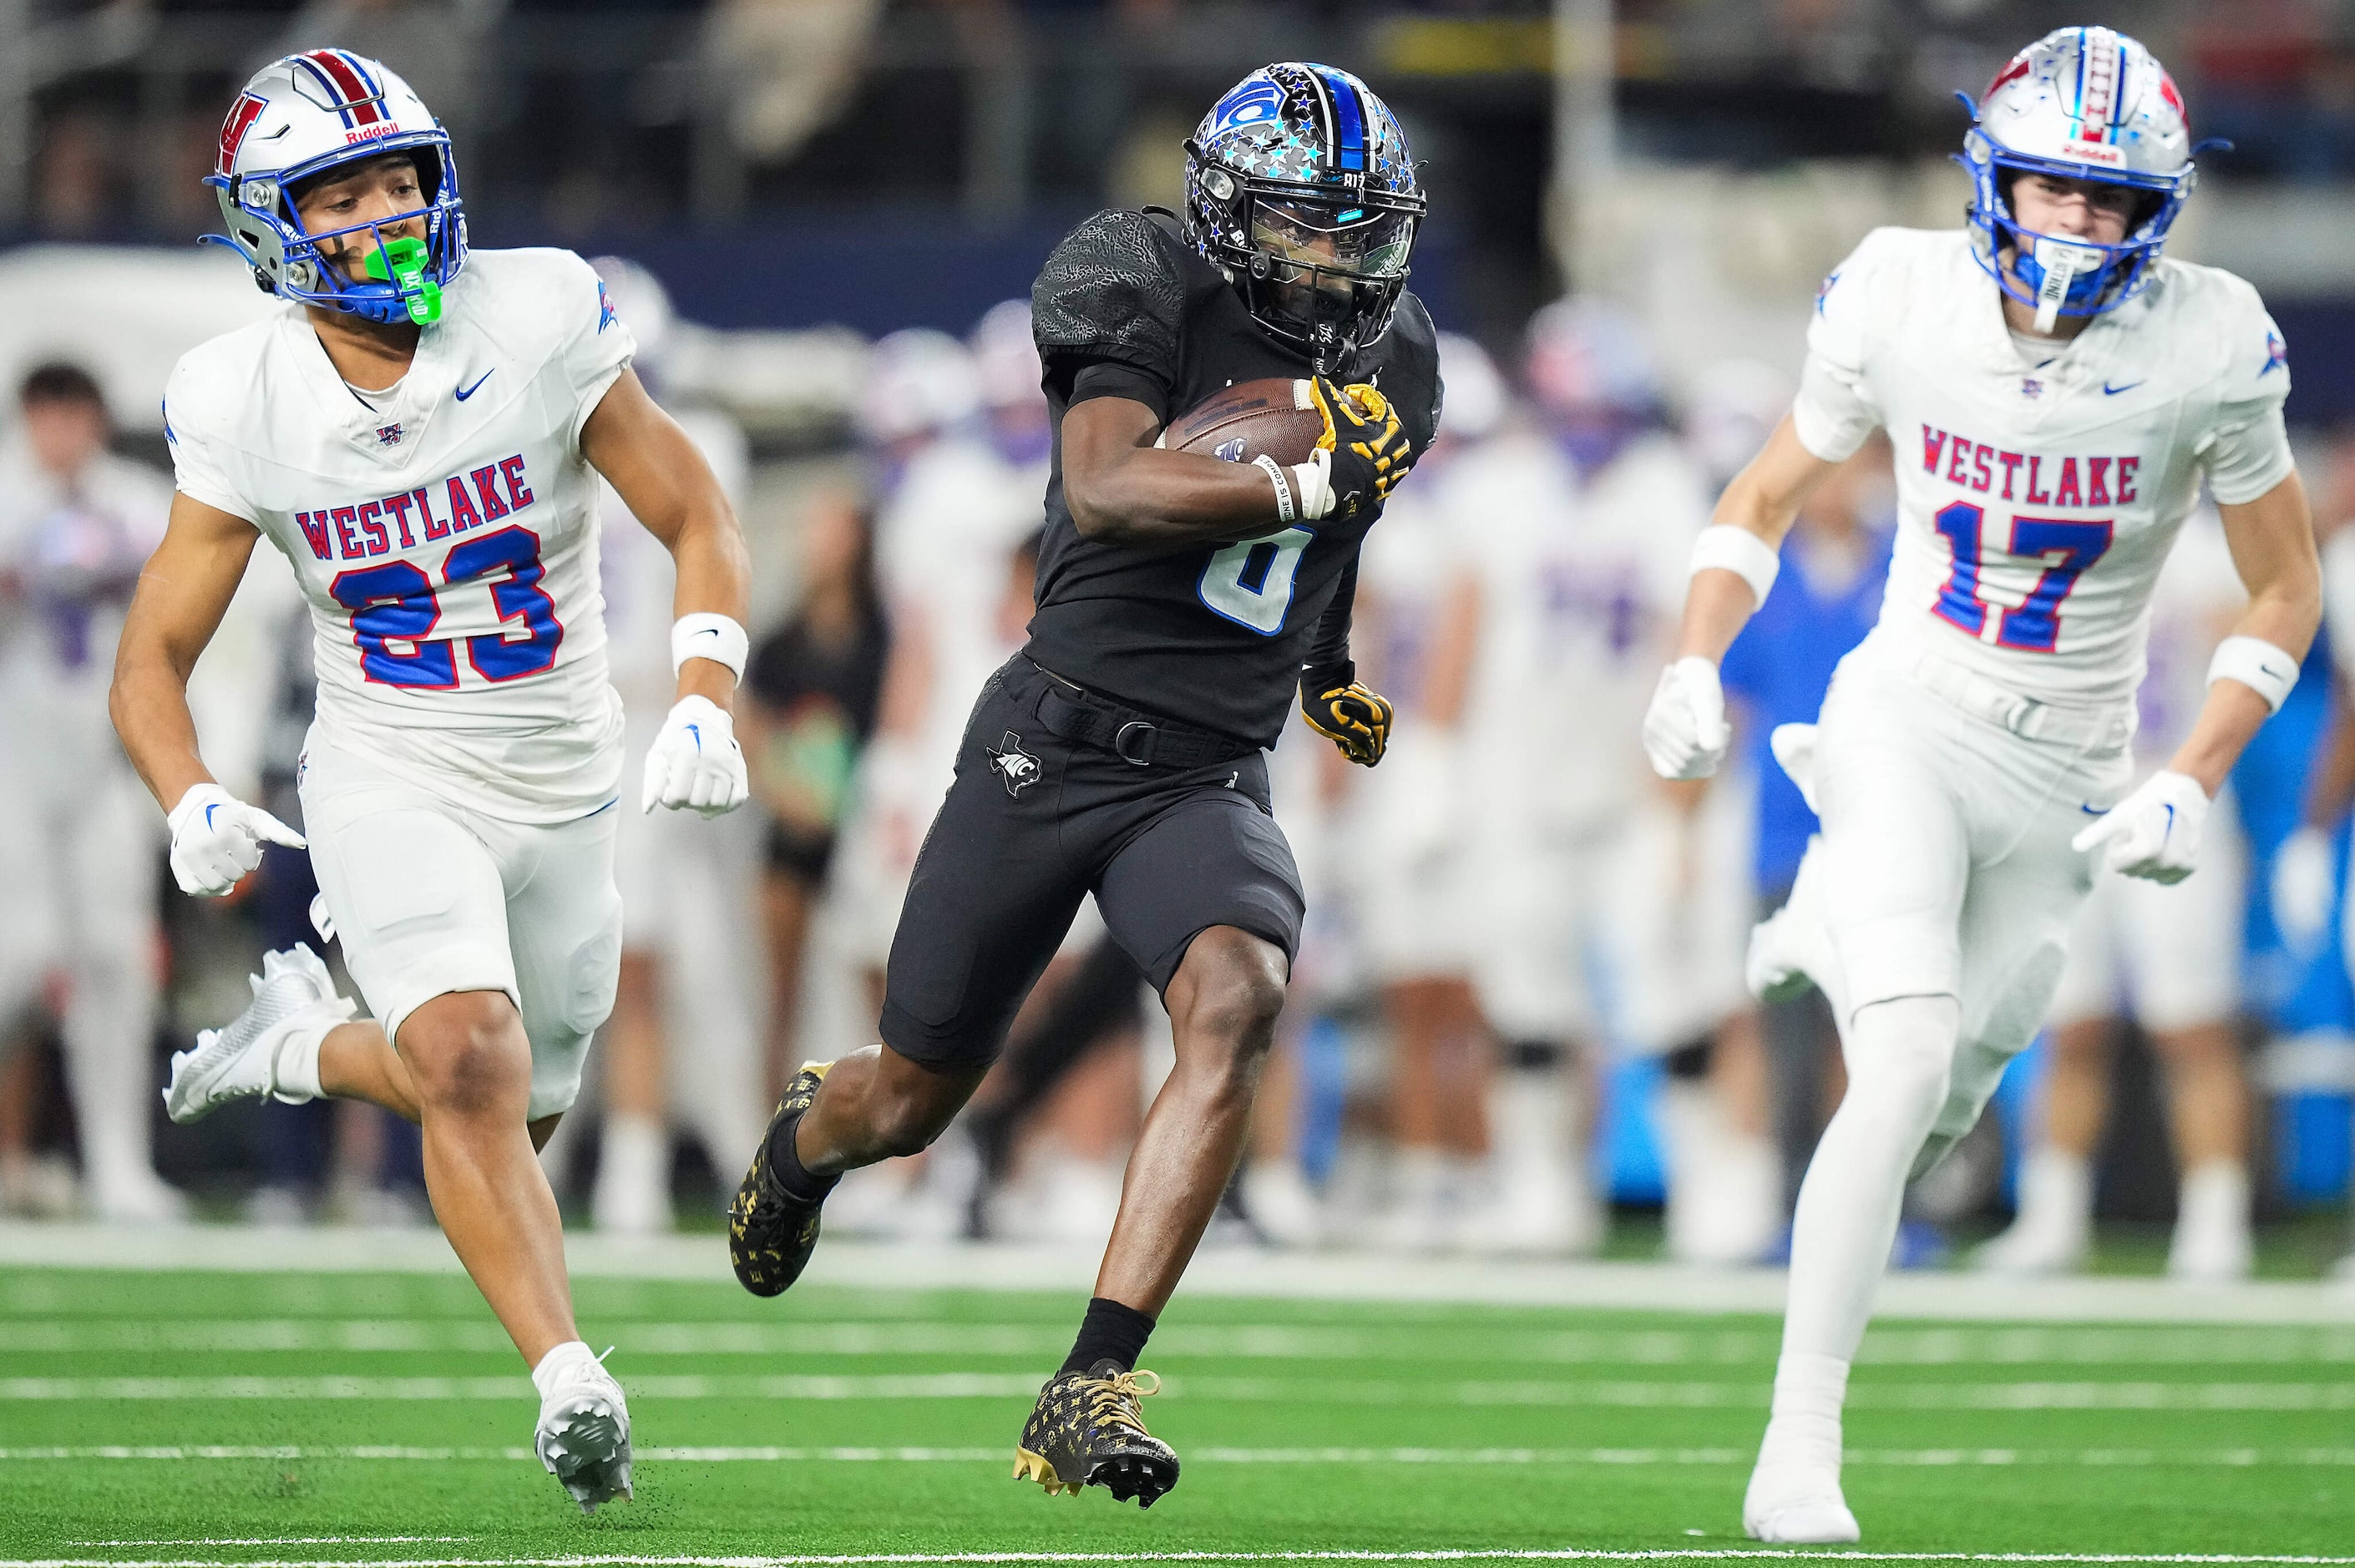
1763, 501
1733, 565
183, 591
654, 467
1124, 490
2272, 539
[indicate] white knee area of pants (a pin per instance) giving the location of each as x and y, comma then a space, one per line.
1900, 1060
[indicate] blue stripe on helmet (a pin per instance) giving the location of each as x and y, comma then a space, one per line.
1349, 120
327, 85
360, 69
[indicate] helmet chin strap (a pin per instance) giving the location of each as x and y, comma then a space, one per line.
2062, 261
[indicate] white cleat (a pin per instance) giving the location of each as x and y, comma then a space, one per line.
1792, 1506
240, 1062
2030, 1249
584, 1436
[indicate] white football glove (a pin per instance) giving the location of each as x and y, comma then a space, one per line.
1685, 732
2153, 833
2305, 871
217, 838
695, 762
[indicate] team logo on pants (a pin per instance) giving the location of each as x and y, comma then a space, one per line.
1012, 763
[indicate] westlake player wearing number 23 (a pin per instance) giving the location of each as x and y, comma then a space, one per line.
1185, 603
2057, 391
416, 432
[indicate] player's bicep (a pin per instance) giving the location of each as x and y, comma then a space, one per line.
2271, 541
187, 585
1766, 495
651, 463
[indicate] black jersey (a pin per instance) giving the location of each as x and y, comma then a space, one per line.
1209, 635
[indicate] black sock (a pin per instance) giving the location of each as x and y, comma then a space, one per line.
797, 1181
1110, 1332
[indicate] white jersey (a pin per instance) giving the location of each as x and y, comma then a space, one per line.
445, 532
1581, 587
2037, 497
944, 546
70, 555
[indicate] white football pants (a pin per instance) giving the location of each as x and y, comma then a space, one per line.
1944, 882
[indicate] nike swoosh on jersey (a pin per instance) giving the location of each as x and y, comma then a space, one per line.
466, 392
2110, 391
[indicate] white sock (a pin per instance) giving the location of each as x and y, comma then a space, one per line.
2213, 1197
1804, 1431
294, 1074
2056, 1188
1898, 1060
634, 1154
558, 1361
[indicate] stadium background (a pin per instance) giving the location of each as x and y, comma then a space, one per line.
805, 178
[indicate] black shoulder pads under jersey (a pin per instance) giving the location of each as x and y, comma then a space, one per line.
1114, 289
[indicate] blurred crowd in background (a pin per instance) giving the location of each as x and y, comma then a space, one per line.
1520, 1015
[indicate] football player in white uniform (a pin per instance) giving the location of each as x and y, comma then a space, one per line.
2056, 391
77, 842
1587, 522
2170, 957
417, 434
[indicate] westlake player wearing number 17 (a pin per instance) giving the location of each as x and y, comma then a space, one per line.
415, 432
1185, 603
2057, 391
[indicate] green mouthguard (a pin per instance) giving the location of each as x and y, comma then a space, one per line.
401, 263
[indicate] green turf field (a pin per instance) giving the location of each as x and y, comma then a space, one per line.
193, 1418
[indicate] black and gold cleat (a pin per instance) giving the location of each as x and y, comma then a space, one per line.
1088, 1432
771, 1234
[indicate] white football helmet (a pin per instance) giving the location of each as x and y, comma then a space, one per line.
301, 117
2084, 104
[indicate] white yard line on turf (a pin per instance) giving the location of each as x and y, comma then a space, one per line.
1239, 1272
2305, 1395
284, 1540
2151, 1346
888, 1559
2024, 1458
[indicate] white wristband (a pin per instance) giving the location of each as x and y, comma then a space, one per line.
1739, 551
704, 635
2257, 664
1285, 511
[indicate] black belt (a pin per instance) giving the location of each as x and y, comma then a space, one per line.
1073, 713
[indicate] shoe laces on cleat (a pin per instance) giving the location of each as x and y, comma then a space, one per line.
1111, 1403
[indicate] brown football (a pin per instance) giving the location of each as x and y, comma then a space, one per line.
1276, 417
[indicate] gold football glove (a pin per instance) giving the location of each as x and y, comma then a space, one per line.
1353, 717
1371, 451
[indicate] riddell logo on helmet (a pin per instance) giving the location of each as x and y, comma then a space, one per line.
2100, 153
371, 133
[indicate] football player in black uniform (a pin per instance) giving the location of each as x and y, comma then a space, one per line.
1182, 601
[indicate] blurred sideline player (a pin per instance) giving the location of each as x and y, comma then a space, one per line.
1417, 622
814, 682
1589, 873
2307, 882
417, 434
690, 959
2169, 956
2056, 391
949, 510
1185, 605
77, 842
